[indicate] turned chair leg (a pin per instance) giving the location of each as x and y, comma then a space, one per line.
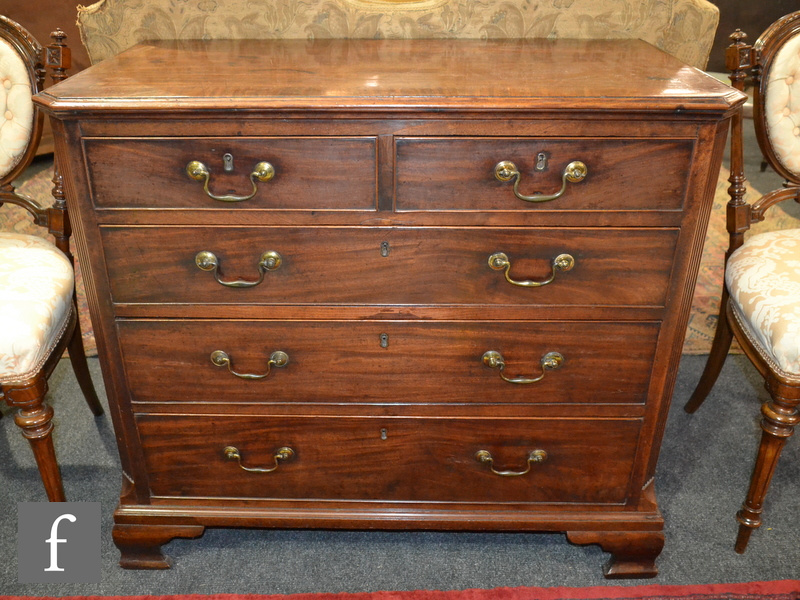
77, 356
720, 346
34, 418
780, 415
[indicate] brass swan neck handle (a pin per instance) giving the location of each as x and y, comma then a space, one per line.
534, 456
284, 453
263, 171
574, 172
549, 362
208, 261
500, 261
277, 359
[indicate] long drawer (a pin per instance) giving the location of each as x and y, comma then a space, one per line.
308, 172
390, 459
620, 174
390, 266
387, 362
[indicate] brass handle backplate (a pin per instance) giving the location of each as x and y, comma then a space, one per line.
500, 261
277, 359
208, 261
549, 362
232, 453
263, 171
574, 172
534, 456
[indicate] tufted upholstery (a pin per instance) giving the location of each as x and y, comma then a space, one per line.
36, 282
683, 28
763, 279
782, 105
16, 108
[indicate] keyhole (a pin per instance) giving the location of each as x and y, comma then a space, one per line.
385, 249
384, 434
227, 162
541, 161
384, 337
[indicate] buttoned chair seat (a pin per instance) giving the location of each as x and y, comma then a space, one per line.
36, 282
763, 279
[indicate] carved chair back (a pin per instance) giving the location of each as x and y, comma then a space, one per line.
22, 75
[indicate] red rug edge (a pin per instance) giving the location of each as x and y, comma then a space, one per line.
727, 590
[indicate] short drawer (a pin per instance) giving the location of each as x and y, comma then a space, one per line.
440, 174
390, 266
309, 172
390, 459
351, 362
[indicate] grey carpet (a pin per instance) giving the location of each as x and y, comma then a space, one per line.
703, 473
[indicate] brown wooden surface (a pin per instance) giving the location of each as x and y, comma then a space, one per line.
613, 182
309, 172
169, 361
401, 74
420, 124
431, 459
424, 266
632, 554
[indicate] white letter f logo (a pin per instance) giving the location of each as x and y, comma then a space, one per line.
54, 540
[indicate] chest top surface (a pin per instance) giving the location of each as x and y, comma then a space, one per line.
389, 74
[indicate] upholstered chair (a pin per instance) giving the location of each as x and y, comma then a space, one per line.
683, 28
38, 314
761, 298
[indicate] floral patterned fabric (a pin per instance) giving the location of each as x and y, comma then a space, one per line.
763, 278
16, 108
36, 282
683, 28
782, 105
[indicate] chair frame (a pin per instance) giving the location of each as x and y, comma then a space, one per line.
34, 416
780, 413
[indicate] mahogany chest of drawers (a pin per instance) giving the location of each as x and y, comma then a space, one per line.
390, 284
